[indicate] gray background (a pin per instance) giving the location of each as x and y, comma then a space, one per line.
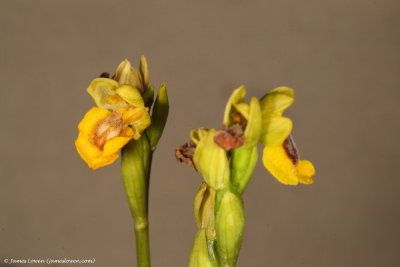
341, 57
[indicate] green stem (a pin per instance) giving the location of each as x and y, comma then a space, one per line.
142, 244
135, 172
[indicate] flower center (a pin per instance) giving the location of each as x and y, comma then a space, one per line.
110, 127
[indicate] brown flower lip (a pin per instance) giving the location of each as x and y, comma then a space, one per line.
229, 138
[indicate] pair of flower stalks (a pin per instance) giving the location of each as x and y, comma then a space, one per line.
226, 159
122, 120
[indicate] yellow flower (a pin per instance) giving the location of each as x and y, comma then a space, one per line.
103, 133
120, 116
280, 155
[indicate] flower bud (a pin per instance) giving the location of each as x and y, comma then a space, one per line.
144, 71
125, 74
159, 116
229, 227
211, 160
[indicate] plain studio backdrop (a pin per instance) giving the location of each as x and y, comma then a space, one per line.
341, 56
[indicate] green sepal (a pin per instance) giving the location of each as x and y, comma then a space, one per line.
199, 256
236, 97
159, 116
243, 162
276, 101
229, 227
211, 160
204, 210
148, 96
253, 129
212, 251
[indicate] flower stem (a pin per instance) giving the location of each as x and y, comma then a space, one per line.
135, 171
142, 244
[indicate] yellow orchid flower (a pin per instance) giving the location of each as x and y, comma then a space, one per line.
120, 116
280, 155
103, 133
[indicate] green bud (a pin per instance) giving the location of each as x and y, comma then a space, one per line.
125, 74
199, 257
144, 71
229, 227
211, 160
159, 116
243, 162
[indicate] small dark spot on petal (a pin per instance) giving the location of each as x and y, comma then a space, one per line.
291, 149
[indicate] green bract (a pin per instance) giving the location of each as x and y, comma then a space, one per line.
211, 160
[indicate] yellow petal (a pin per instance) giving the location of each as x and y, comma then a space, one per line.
131, 114
275, 130
143, 122
130, 95
102, 90
276, 101
283, 168
114, 145
91, 120
137, 117
278, 163
305, 171
90, 152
